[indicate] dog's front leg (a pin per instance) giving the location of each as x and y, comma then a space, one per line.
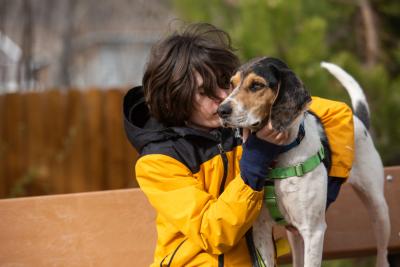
297, 246
263, 239
303, 201
313, 245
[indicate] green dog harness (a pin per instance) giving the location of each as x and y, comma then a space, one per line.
281, 173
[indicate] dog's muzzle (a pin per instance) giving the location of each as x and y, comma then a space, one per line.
229, 119
224, 110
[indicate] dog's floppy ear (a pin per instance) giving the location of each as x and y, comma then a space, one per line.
291, 99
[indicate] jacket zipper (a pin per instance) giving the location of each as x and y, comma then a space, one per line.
225, 163
173, 254
221, 189
252, 248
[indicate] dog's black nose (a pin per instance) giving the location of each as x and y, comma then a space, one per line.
224, 110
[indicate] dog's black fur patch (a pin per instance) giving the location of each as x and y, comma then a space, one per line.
292, 96
362, 113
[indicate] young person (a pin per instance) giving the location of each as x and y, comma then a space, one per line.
205, 188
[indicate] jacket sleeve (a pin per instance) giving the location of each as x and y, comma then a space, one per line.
215, 224
337, 118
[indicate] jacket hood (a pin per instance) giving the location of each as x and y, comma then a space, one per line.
142, 129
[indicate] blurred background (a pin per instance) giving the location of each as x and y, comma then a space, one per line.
65, 66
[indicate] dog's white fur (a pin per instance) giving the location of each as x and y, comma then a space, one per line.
302, 200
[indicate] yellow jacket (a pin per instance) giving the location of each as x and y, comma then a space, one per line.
194, 225
192, 180
337, 119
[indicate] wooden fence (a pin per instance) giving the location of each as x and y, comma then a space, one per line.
62, 142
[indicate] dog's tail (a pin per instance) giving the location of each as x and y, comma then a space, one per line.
358, 99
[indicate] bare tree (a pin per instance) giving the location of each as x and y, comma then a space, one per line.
3, 12
372, 47
25, 75
65, 60
50, 34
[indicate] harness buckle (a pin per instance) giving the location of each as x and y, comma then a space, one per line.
298, 169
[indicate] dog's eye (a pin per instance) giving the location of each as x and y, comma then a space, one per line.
256, 86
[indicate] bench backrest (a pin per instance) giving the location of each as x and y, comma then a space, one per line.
116, 228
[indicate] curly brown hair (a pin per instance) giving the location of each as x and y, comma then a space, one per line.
169, 81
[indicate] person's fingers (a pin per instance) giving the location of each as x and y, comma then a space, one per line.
282, 137
246, 133
269, 134
270, 127
271, 137
270, 130
267, 131
266, 134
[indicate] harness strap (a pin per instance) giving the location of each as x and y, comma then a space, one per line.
260, 260
282, 173
300, 169
272, 204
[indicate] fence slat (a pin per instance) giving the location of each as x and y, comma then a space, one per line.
13, 129
36, 175
117, 170
94, 139
3, 166
54, 117
75, 160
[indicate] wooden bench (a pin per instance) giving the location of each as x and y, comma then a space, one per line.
116, 228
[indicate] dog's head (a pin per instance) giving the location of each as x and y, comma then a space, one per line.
264, 89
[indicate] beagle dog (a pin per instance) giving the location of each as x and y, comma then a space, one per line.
266, 89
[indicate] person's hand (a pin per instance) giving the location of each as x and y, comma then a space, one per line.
259, 150
269, 134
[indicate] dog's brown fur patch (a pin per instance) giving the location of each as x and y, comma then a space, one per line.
257, 102
235, 80
278, 96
